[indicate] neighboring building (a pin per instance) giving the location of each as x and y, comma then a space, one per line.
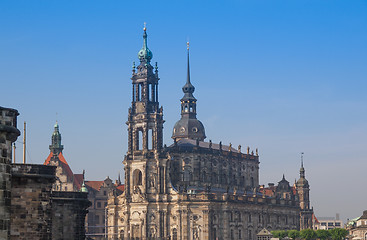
29, 208
264, 235
327, 223
66, 180
358, 229
98, 192
192, 189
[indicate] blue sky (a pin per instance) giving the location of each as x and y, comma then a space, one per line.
283, 76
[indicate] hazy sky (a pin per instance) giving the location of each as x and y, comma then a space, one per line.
283, 76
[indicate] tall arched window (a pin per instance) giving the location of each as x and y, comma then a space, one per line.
214, 178
187, 174
204, 176
174, 234
137, 177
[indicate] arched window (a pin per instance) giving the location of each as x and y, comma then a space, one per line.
252, 182
232, 234
137, 177
122, 235
214, 233
224, 178
204, 176
139, 144
187, 174
214, 178
150, 139
174, 234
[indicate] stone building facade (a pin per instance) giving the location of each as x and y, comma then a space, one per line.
358, 230
8, 134
66, 180
29, 207
98, 192
192, 189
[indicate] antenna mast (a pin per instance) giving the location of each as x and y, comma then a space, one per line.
24, 145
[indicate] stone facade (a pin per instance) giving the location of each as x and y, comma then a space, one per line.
8, 134
37, 212
66, 180
69, 210
192, 189
29, 208
358, 230
98, 192
31, 215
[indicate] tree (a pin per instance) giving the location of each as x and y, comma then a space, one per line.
338, 233
308, 234
279, 234
293, 234
322, 234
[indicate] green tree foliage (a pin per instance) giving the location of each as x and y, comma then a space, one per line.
308, 234
293, 234
279, 234
322, 234
338, 233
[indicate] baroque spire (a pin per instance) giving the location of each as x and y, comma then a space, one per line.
188, 126
145, 55
188, 88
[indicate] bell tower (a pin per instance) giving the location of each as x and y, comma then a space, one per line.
303, 190
143, 173
145, 121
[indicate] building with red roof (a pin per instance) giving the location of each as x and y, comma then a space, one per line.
66, 180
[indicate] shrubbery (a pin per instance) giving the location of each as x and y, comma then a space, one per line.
309, 234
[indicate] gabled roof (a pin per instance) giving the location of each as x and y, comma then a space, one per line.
264, 232
79, 178
315, 218
65, 166
96, 185
121, 187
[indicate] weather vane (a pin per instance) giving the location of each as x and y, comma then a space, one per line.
145, 26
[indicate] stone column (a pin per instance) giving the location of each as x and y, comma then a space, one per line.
8, 134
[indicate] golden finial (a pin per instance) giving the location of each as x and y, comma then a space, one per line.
188, 45
145, 26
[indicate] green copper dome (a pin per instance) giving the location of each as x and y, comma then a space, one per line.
83, 188
145, 55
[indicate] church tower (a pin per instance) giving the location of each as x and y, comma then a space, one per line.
188, 126
145, 130
303, 190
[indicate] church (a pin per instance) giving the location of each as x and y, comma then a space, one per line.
193, 189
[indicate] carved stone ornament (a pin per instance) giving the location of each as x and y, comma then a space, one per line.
138, 196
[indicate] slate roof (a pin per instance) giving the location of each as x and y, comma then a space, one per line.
192, 143
96, 185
